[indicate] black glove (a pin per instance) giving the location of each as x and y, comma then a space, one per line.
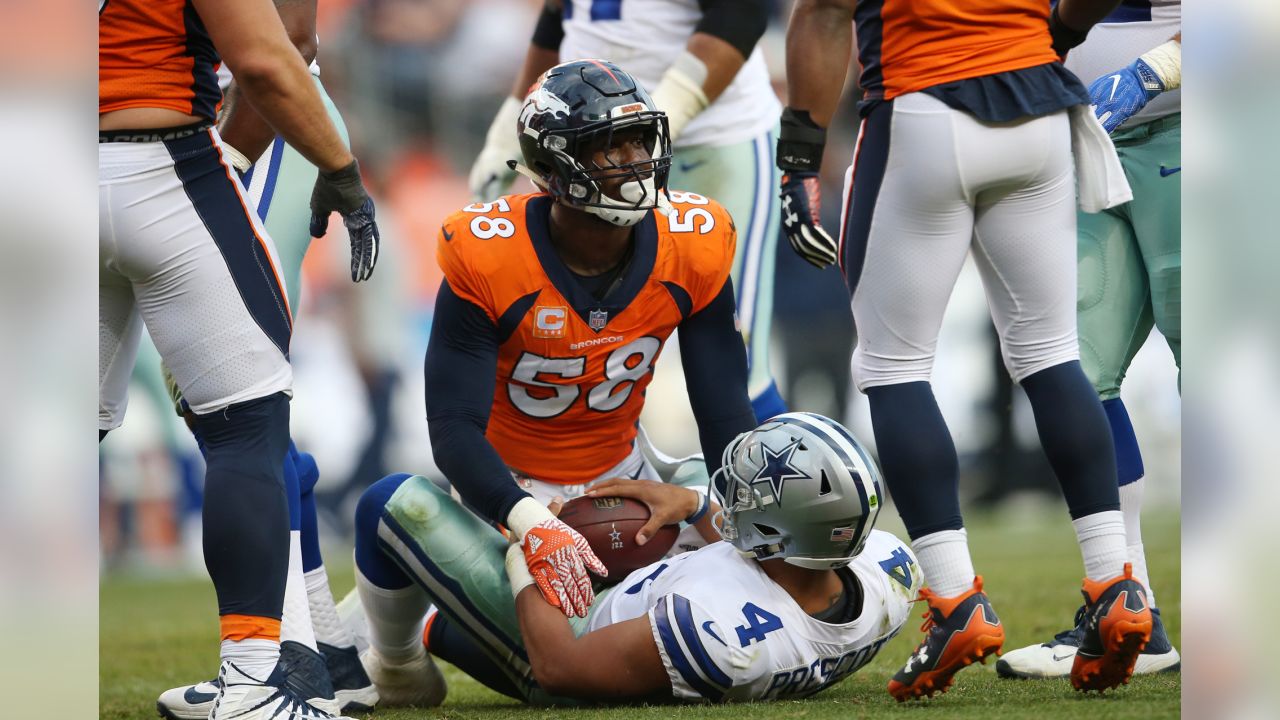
800, 147
343, 191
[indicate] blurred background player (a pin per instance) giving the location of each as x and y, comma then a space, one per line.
279, 186
965, 143
180, 247
1130, 266
553, 309
803, 594
699, 60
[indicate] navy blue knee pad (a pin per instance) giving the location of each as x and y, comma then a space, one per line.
246, 515
373, 561
308, 476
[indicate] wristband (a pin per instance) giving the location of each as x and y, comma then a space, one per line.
800, 142
702, 509
517, 570
1166, 62
1064, 37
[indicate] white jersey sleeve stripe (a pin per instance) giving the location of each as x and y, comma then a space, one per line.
676, 656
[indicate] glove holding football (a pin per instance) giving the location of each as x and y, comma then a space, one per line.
491, 176
343, 190
800, 146
1117, 96
557, 557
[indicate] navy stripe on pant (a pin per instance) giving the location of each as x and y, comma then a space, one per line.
213, 193
868, 174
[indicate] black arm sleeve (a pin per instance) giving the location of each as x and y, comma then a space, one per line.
740, 23
715, 371
461, 369
549, 31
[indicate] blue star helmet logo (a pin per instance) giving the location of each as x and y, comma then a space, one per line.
778, 469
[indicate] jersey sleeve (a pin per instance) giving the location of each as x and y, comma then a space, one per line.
454, 251
693, 649
707, 238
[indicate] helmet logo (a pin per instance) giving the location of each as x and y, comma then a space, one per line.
542, 101
778, 469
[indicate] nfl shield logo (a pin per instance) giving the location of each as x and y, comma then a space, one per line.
597, 319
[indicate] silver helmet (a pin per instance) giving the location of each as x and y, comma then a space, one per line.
798, 487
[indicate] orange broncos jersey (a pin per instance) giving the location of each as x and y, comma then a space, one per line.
572, 371
156, 54
910, 45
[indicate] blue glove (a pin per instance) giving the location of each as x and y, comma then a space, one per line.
1116, 97
343, 191
801, 200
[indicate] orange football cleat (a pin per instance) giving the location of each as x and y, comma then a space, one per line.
958, 631
1117, 625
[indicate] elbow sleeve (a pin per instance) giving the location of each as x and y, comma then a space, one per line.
740, 23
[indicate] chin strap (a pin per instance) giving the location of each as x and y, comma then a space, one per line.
537, 180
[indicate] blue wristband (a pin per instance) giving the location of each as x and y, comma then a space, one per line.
702, 510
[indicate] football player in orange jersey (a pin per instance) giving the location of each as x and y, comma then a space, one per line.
968, 144
553, 310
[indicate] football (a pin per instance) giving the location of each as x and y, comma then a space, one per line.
610, 525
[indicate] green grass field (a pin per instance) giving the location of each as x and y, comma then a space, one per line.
155, 635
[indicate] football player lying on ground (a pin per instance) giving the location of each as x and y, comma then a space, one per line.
553, 309
803, 593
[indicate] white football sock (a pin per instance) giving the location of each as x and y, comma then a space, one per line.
324, 614
944, 557
396, 618
1131, 506
1102, 543
295, 623
256, 657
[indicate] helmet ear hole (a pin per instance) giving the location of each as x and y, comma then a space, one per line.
824, 486
765, 529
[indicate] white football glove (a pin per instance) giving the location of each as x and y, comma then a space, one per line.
491, 177
557, 557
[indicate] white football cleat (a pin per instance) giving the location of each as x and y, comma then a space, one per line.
417, 682
1054, 659
189, 702
244, 697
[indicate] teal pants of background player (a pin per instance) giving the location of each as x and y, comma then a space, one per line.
1130, 273
279, 185
744, 179
1130, 258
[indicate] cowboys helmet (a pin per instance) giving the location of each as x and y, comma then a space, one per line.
571, 113
798, 487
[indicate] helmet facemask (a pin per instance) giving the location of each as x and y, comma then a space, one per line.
579, 179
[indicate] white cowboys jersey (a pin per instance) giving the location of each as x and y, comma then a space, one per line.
644, 37
1134, 28
725, 631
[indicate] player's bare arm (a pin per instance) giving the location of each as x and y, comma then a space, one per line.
819, 46
251, 38
570, 666
241, 126
668, 505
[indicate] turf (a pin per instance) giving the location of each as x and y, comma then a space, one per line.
159, 634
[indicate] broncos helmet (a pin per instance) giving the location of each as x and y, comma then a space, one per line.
571, 112
798, 487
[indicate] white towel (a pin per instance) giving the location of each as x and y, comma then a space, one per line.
1100, 179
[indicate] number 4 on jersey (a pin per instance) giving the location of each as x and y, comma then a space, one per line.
898, 567
760, 622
